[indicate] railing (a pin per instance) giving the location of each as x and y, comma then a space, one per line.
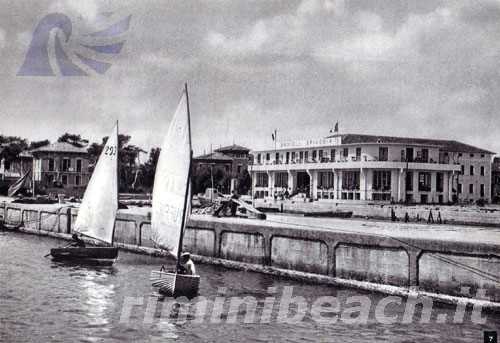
350, 159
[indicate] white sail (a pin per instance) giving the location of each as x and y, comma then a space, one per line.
96, 216
171, 180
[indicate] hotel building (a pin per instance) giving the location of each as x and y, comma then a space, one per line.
368, 168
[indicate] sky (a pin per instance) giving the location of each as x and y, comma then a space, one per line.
418, 69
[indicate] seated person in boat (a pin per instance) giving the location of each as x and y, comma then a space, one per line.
186, 265
78, 242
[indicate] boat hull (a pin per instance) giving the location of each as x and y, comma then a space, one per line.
173, 284
93, 255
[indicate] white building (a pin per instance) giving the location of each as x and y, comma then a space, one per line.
353, 167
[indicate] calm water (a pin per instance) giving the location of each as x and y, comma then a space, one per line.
42, 301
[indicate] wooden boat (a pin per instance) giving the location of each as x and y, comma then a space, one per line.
87, 255
97, 213
171, 200
173, 284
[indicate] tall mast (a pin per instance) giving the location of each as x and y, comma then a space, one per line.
188, 181
117, 178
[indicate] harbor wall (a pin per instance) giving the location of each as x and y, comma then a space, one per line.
425, 264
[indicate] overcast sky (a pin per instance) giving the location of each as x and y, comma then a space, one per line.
424, 69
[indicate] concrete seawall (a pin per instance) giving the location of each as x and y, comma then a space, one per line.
369, 258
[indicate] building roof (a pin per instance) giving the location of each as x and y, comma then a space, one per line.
215, 156
61, 147
233, 148
448, 145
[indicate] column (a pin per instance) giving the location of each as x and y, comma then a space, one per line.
450, 185
416, 193
402, 185
394, 184
446, 189
338, 186
291, 183
314, 184
433, 197
362, 184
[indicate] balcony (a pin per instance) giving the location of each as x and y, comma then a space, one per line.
352, 163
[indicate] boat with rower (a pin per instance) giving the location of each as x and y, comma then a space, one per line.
171, 202
97, 212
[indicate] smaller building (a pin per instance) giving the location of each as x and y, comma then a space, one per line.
222, 168
495, 180
60, 168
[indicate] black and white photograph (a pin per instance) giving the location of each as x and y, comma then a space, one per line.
250, 171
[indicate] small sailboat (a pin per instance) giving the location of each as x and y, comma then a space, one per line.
97, 213
171, 201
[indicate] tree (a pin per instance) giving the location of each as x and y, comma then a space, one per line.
38, 144
12, 146
244, 182
73, 139
148, 169
127, 156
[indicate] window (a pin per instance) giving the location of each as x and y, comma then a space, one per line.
314, 155
358, 154
471, 155
459, 188
460, 155
439, 182
325, 179
78, 165
301, 155
403, 156
482, 190
65, 179
383, 153
424, 181
482, 155
409, 181
287, 157
51, 164
281, 180
482, 170
77, 180
425, 155
306, 155
226, 168
258, 158
66, 164
293, 156
239, 168
332, 155
346, 152
471, 189
268, 156
320, 154
262, 180
350, 180
471, 170
277, 157
462, 171
409, 154
382, 180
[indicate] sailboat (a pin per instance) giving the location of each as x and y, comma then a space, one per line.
171, 200
97, 212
